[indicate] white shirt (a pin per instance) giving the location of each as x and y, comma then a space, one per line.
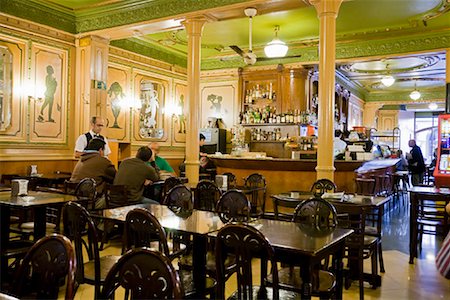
339, 146
81, 143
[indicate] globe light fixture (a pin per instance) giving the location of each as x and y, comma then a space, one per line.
276, 48
387, 80
433, 106
415, 95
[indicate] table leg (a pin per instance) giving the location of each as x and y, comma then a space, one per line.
4, 240
305, 273
199, 264
39, 222
275, 207
338, 256
412, 227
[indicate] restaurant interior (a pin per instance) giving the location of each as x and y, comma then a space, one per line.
286, 149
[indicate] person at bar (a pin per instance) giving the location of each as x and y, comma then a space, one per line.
416, 163
135, 174
97, 124
93, 164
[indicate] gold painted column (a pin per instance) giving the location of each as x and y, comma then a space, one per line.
327, 11
91, 77
194, 29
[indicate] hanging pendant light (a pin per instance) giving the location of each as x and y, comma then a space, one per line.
433, 106
276, 48
387, 80
415, 95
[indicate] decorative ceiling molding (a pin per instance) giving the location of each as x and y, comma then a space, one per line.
39, 13
393, 65
434, 95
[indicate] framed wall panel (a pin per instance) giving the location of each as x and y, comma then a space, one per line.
219, 100
48, 109
179, 120
12, 89
118, 102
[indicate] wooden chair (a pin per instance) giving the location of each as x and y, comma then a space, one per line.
321, 217
207, 194
86, 193
179, 199
246, 243
169, 183
146, 274
257, 197
77, 223
49, 261
365, 186
233, 206
359, 246
323, 186
231, 180
142, 229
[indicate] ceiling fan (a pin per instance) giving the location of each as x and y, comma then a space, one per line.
250, 58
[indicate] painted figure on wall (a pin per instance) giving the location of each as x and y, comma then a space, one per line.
116, 95
149, 122
50, 85
216, 103
182, 116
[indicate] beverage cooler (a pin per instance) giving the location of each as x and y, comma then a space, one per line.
442, 170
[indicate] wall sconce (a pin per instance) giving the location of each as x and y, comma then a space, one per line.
36, 93
131, 103
173, 110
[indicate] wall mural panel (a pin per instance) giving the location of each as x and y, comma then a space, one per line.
118, 109
180, 117
12, 68
49, 107
149, 100
218, 101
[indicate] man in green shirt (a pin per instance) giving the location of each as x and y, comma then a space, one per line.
161, 163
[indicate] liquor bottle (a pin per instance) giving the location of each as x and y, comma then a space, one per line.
270, 91
283, 118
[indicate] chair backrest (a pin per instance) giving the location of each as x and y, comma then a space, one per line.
86, 191
169, 183
317, 212
354, 217
244, 242
77, 222
70, 187
257, 197
142, 228
322, 186
231, 179
179, 198
116, 195
50, 259
365, 186
255, 180
207, 194
233, 206
146, 274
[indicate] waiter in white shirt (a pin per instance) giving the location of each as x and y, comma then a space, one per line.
97, 123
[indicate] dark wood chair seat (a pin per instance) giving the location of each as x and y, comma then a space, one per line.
106, 263
290, 277
267, 294
187, 281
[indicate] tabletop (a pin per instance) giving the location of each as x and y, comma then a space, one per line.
33, 199
195, 221
362, 200
287, 196
299, 237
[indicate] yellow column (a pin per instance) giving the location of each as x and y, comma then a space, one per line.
194, 29
327, 11
91, 76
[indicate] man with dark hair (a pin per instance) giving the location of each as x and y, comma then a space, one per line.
97, 124
134, 173
416, 163
93, 165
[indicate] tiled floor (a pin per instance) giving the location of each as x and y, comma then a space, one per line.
401, 280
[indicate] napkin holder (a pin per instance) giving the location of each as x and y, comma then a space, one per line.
222, 181
19, 187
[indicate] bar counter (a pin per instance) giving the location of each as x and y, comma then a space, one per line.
283, 175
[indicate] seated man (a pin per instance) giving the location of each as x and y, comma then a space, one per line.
134, 173
161, 163
92, 164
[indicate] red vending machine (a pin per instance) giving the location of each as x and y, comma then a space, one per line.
442, 171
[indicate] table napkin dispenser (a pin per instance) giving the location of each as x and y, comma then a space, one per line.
222, 181
19, 187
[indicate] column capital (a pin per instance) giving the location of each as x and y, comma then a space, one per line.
87, 40
326, 7
194, 26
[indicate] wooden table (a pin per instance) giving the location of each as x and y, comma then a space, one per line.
199, 224
37, 201
417, 194
48, 179
295, 244
285, 200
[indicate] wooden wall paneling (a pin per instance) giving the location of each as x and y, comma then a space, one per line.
294, 85
118, 101
387, 119
48, 109
43, 166
16, 131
